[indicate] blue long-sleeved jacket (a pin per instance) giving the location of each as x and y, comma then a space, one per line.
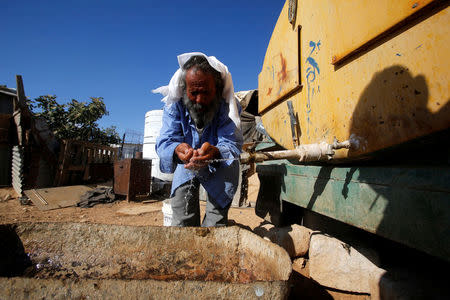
220, 179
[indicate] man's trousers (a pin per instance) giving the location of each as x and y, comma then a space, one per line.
186, 207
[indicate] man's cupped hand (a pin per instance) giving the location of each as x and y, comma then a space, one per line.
195, 159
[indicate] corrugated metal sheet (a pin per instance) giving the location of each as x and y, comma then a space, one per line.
17, 169
5, 159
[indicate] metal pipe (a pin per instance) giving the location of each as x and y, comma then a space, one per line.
304, 153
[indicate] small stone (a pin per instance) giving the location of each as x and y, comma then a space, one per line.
300, 265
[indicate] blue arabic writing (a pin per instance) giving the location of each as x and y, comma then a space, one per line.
311, 70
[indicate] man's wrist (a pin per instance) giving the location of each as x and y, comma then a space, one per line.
176, 159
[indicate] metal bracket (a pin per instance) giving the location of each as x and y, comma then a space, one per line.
292, 11
293, 123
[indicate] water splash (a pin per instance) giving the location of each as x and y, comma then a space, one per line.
188, 194
197, 175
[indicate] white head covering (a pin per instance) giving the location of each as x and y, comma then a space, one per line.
173, 92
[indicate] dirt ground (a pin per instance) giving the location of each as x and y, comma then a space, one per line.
120, 212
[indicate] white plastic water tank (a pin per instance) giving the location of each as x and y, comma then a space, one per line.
153, 124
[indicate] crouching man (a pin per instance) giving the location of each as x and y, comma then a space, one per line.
200, 139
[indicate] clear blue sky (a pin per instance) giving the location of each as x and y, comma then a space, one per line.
121, 50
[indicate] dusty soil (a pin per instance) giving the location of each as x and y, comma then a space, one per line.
120, 213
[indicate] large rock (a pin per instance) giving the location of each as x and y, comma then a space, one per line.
294, 239
334, 264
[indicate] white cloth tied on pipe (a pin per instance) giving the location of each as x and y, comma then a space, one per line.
173, 92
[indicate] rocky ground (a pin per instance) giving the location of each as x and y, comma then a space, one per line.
150, 214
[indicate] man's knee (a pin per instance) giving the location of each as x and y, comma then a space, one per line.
215, 216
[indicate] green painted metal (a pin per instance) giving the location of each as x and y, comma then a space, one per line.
264, 146
410, 205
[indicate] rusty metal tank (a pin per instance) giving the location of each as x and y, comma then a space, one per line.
81, 261
375, 72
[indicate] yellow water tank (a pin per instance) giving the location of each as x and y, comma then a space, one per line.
375, 72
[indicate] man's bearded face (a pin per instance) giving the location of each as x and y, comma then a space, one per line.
200, 96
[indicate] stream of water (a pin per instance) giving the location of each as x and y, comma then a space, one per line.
197, 175
221, 159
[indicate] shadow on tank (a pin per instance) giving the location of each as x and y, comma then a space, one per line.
408, 169
393, 109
